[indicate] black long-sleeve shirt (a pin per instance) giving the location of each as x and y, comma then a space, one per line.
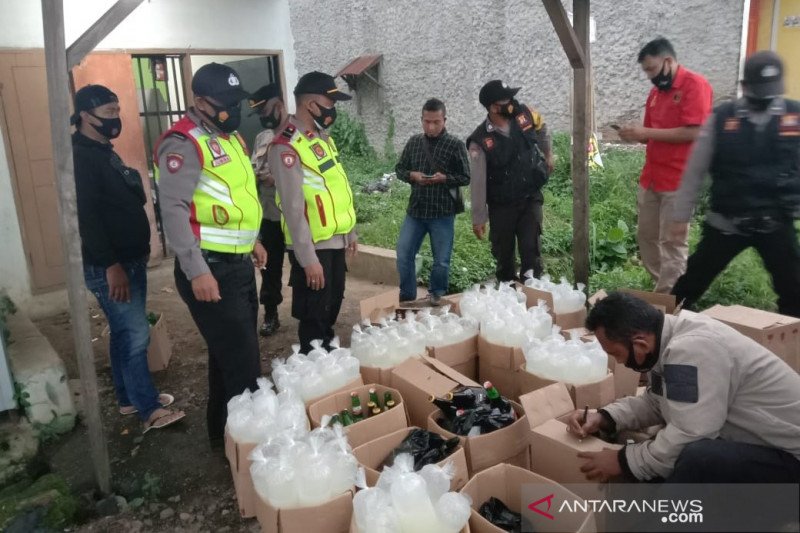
111, 216
450, 155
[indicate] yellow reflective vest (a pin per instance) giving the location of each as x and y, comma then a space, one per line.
225, 213
329, 200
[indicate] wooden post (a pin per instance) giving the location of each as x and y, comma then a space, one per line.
58, 99
582, 91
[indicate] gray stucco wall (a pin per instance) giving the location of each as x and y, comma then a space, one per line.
449, 48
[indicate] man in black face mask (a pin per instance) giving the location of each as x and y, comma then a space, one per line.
115, 238
731, 408
212, 217
510, 161
677, 105
316, 203
267, 102
751, 149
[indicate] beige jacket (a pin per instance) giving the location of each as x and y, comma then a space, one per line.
710, 382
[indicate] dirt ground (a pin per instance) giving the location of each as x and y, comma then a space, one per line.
194, 486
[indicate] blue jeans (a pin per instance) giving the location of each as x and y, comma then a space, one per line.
130, 336
412, 234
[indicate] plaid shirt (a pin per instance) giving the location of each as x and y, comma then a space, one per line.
450, 156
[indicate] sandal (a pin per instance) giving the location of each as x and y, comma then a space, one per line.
164, 399
168, 418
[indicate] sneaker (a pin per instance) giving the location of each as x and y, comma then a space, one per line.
434, 300
270, 326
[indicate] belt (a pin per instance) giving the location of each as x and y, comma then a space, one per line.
222, 257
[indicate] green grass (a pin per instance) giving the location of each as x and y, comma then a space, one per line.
614, 260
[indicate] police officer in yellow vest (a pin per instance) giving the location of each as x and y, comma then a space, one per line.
211, 216
316, 203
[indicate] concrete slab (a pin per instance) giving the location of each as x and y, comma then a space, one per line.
41, 373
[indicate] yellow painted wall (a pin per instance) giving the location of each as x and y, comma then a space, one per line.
764, 24
788, 43
789, 46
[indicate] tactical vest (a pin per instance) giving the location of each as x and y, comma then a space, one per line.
756, 173
329, 200
225, 214
515, 167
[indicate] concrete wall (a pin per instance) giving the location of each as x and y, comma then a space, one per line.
449, 48
162, 24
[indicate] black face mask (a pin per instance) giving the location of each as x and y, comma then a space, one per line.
110, 128
649, 360
270, 122
227, 118
510, 109
758, 104
326, 117
663, 80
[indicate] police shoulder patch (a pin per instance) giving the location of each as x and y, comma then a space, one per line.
174, 162
289, 158
681, 383
488, 143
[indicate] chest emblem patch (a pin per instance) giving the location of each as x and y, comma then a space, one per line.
319, 151
731, 124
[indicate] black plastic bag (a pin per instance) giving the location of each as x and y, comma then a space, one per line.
424, 447
496, 512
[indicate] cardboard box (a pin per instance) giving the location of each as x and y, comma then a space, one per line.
507, 445
370, 428
499, 365
576, 319
553, 449
159, 351
663, 302
778, 333
419, 379
372, 455
595, 395
373, 374
380, 306
626, 380
352, 385
461, 356
505, 482
237, 455
331, 517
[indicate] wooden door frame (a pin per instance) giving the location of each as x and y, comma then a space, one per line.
186, 54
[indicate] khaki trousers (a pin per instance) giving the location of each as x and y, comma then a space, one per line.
664, 259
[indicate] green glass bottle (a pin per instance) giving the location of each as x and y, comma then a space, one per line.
388, 402
347, 420
335, 419
373, 397
355, 407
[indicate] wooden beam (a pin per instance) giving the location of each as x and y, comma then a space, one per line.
58, 99
569, 40
581, 130
99, 30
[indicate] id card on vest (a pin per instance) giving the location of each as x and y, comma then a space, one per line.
217, 152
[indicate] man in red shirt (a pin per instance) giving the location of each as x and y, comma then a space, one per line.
676, 108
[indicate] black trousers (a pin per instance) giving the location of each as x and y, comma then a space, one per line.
229, 328
318, 310
517, 224
724, 461
779, 250
271, 282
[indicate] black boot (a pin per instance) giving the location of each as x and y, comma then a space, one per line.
270, 325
